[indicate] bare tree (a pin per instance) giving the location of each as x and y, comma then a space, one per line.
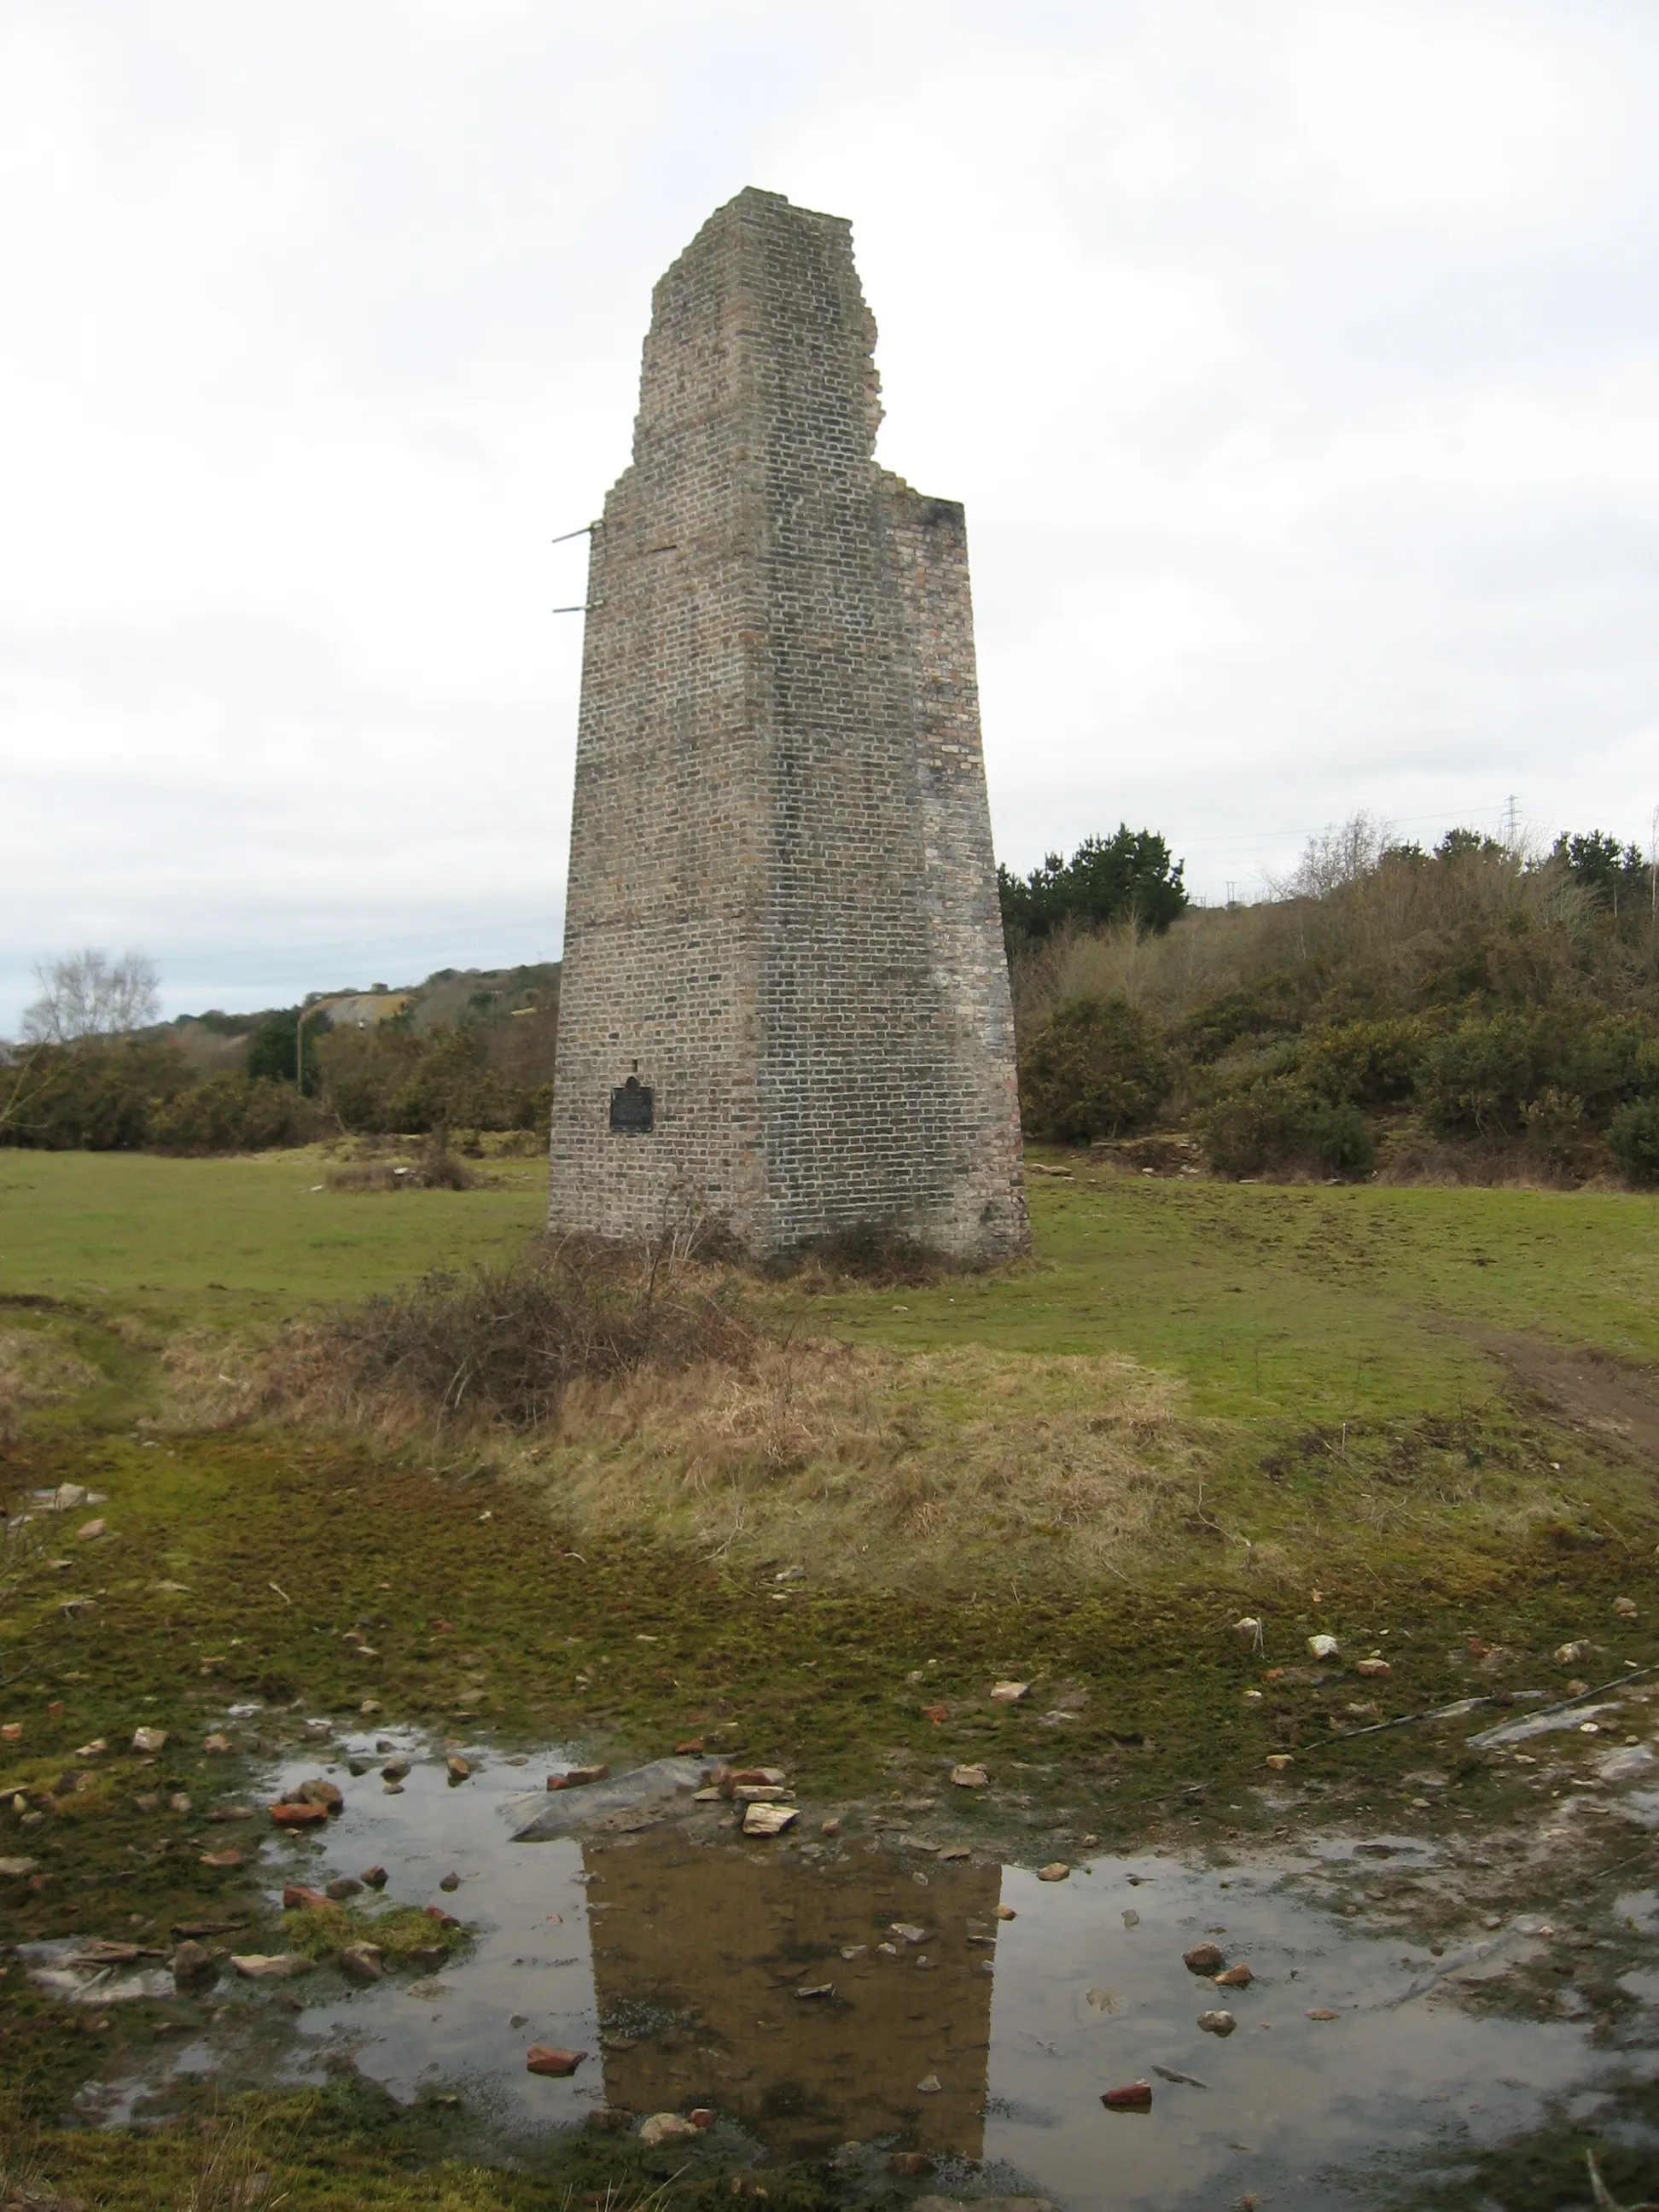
88, 994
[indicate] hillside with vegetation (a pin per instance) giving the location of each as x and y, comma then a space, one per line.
1472, 1011
468, 1053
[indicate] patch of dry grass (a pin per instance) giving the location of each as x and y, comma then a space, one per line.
35, 1371
870, 1464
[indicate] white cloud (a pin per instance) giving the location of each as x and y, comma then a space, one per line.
1298, 363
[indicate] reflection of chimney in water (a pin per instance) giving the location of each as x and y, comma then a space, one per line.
699, 1955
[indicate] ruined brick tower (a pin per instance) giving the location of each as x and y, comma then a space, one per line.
785, 1000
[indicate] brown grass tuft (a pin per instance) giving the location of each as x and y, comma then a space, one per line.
939, 1465
36, 1370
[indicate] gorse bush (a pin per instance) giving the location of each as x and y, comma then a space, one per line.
228, 1114
1098, 1070
1633, 1140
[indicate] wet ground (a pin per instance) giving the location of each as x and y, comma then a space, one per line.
817, 1993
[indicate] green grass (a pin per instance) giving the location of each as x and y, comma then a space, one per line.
1294, 1303
236, 1238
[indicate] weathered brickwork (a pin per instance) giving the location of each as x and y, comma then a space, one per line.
782, 911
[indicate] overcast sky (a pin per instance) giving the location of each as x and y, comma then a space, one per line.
1298, 365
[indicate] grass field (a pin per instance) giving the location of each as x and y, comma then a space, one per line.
1380, 1434
235, 1237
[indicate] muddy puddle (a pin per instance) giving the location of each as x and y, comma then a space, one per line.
854, 1990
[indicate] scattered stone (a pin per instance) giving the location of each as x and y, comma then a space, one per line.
1130, 1918
578, 1778
930, 2085
317, 1791
1187, 2081
17, 1869
1236, 1977
968, 1777
956, 1852
194, 1967
265, 1967
395, 1768
1204, 1959
1009, 1693
369, 1706
96, 1749
374, 1876
1625, 1607
1321, 2012
908, 1932
1279, 1760
89, 1531
222, 1812
608, 2119
221, 1859
450, 1882
296, 1898
1379, 1669
178, 1802
1323, 1647
148, 1739
12, 1732
831, 1827
910, 2165
1250, 1628
761, 1793
342, 1886
768, 1819
456, 1768
299, 1816
216, 1747
665, 2128
702, 2117
1568, 1655
1216, 2023
1136, 2097
148, 1804
392, 1789
691, 1748
710, 1797
854, 1950
362, 1963
543, 2058
817, 1989
1006, 1912
1056, 1871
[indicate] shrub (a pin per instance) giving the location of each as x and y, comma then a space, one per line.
1633, 1140
1278, 1122
1556, 1135
503, 1344
1097, 1071
97, 1094
1369, 1063
1479, 1077
228, 1114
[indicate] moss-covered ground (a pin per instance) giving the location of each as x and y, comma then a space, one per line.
1336, 1340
